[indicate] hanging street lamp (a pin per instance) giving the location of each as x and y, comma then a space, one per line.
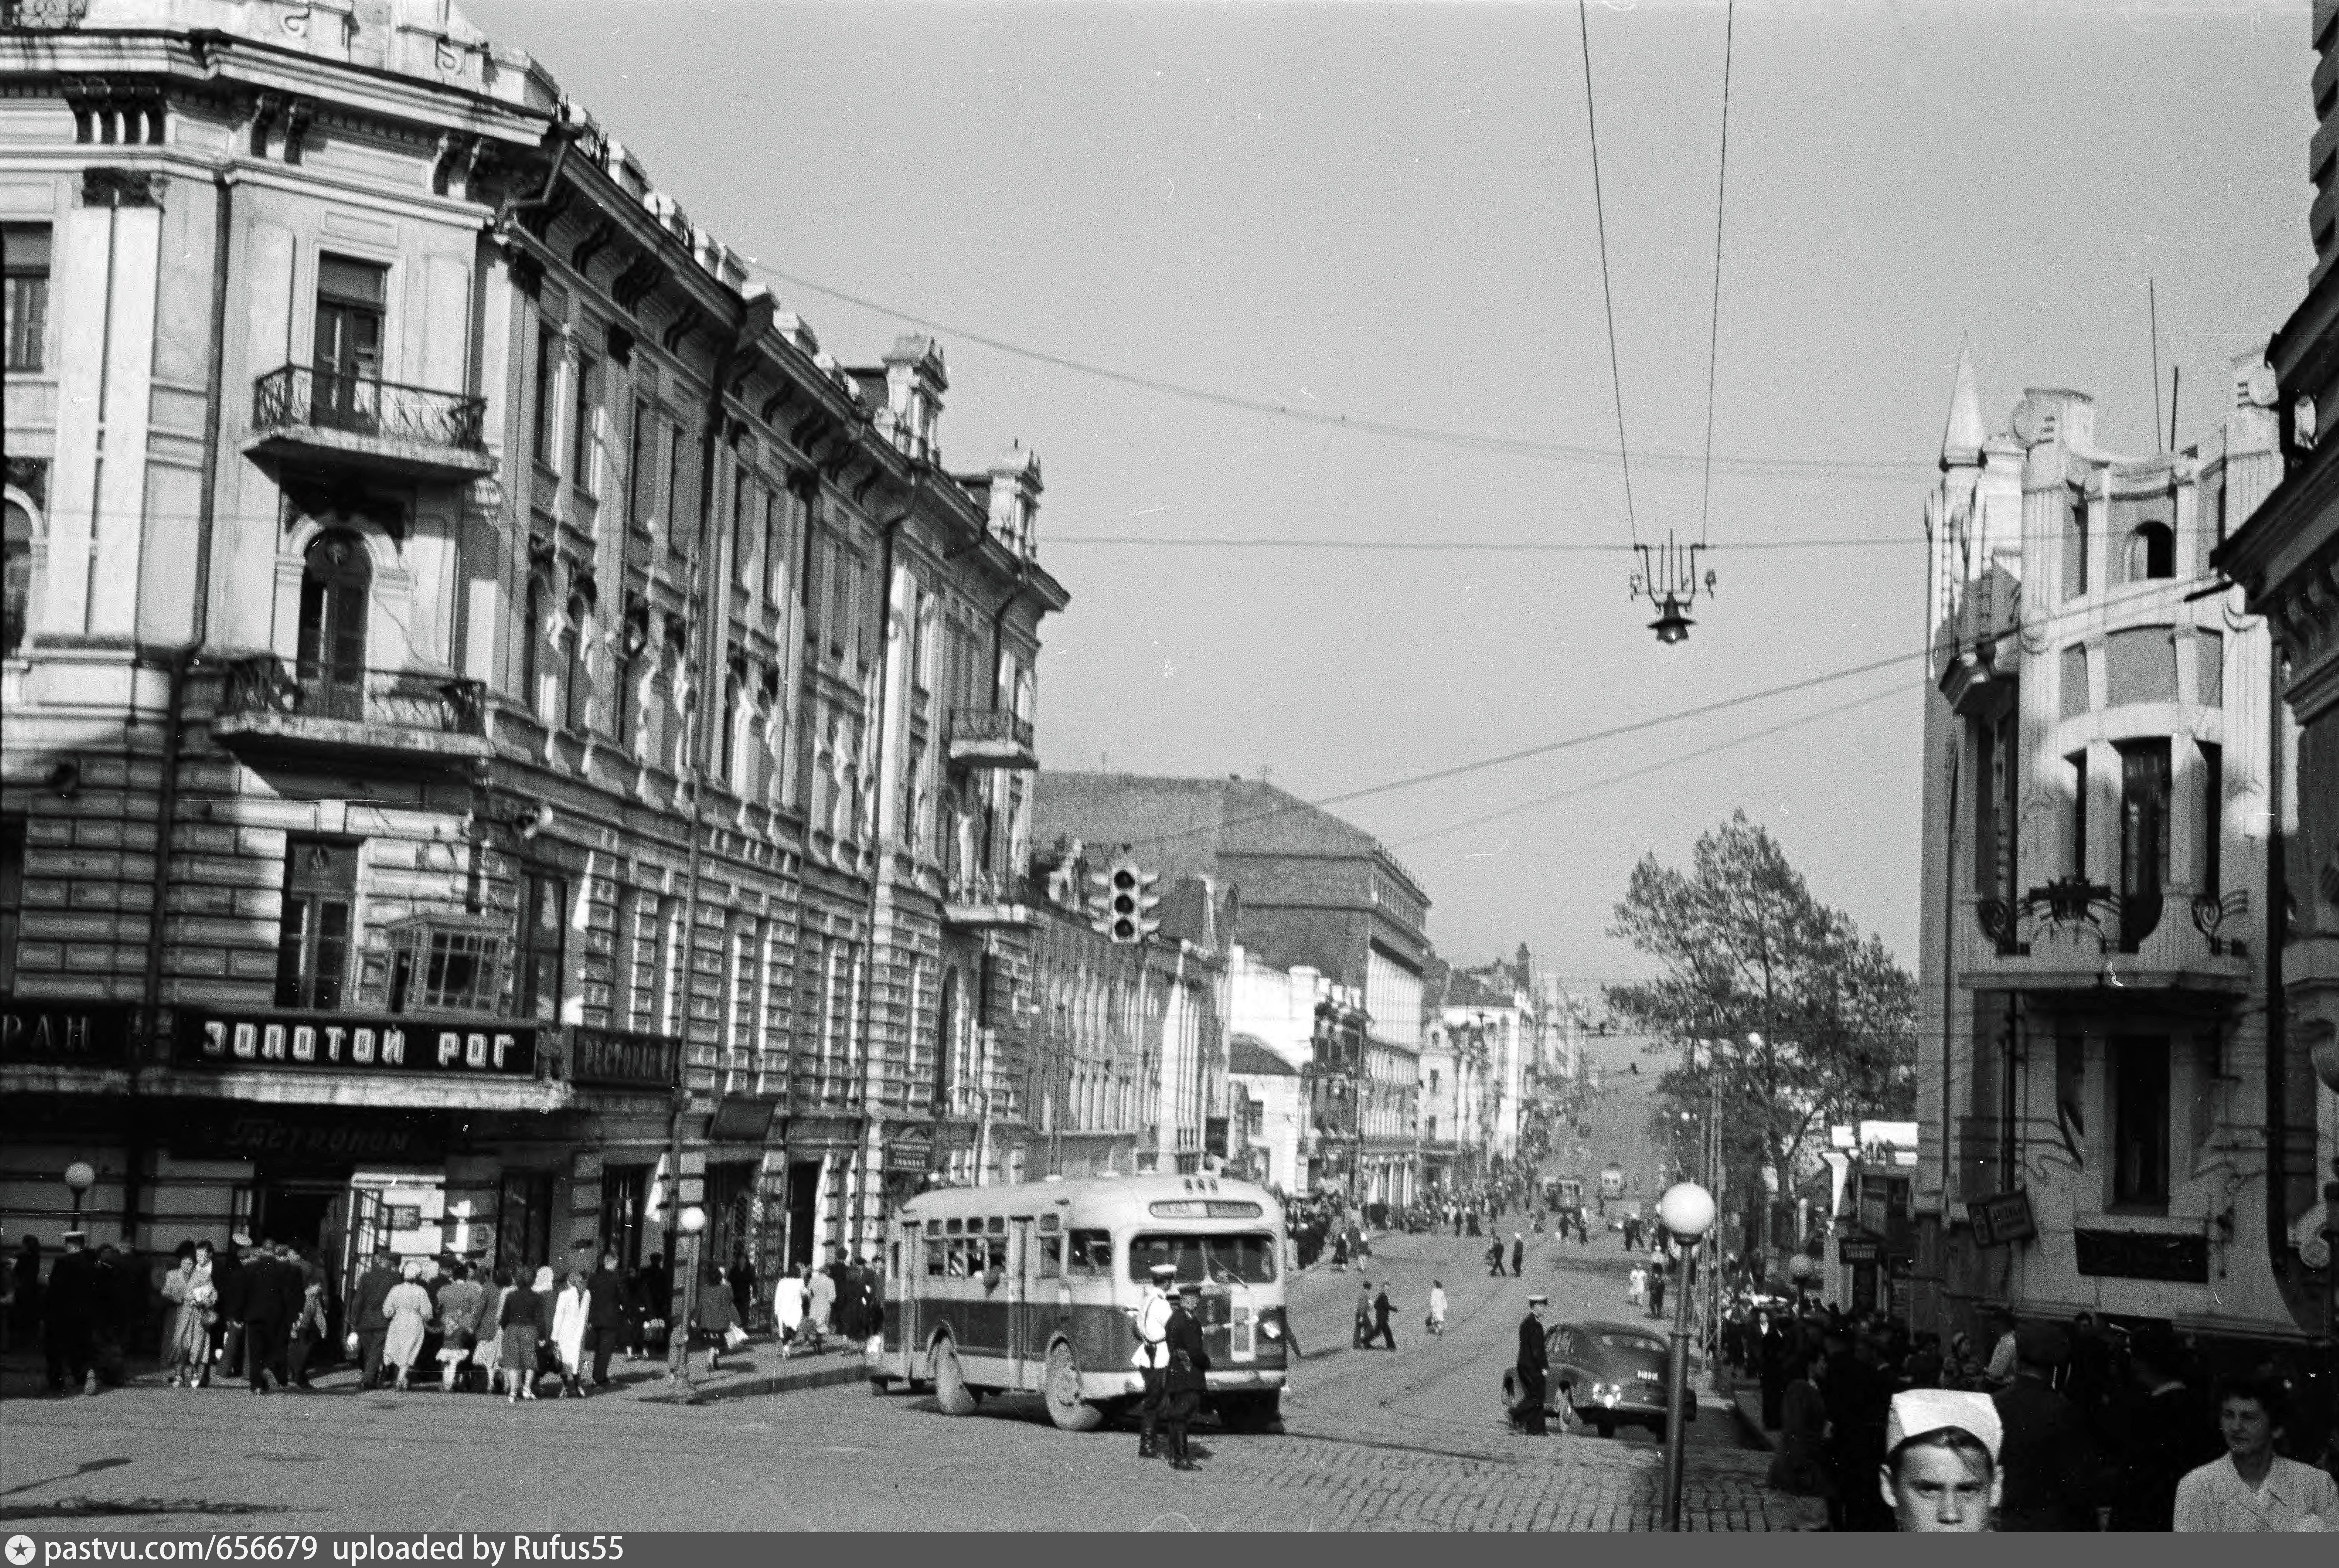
1669, 580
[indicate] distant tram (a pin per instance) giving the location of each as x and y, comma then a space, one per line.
1031, 1288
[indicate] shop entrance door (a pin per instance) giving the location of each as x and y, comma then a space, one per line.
523, 1223
803, 1188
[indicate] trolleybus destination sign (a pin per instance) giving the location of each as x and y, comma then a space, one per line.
354, 1043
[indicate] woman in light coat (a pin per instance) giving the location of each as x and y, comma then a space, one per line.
568, 1312
788, 1311
408, 1307
187, 1337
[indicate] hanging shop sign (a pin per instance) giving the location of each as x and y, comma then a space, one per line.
2001, 1220
911, 1149
1853, 1249
354, 1043
65, 1033
615, 1058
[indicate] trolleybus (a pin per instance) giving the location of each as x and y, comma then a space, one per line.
1034, 1287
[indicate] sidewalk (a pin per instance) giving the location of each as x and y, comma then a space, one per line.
756, 1369
1746, 1404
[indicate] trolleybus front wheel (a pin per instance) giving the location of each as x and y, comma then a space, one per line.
1066, 1408
950, 1392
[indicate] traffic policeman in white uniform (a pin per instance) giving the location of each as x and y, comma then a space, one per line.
1151, 1357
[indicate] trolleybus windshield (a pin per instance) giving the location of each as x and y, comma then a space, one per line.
1216, 1260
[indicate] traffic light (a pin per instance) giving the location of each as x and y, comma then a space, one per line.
1129, 901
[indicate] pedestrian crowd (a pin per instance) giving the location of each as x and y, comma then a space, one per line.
2095, 1428
272, 1315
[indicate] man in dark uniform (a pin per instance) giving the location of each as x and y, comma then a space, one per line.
1381, 1330
1183, 1382
2165, 1432
1518, 1255
1534, 1365
68, 1305
605, 1315
2053, 1480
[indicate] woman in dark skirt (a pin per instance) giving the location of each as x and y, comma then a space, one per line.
521, 1327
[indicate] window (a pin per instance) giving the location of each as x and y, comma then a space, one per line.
776, 503
2213, 818
336, 587
727, 740
2074, 549
675, 443
840, 601
2151, 553
2144, 832
531, 637
27, 304
1051, 1256
445, 964
543, 910
641, 472
2140, 1121
1219, 1259
2078, 761
15, 607
348, 348
545, 438
581, 433
12, 898
1090, 1254
577, 681
743, 490
2209, 669
313, 940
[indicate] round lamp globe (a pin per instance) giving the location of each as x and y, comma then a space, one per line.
1799, 1267
692, 1220
79, 1177
1687, 1211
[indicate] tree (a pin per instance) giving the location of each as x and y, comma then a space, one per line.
1812, 1023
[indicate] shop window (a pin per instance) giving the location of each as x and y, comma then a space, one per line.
544, 906
446, 963
2140, 1121
625, 1199
348, 346
523, 1223
26, 246
312, 942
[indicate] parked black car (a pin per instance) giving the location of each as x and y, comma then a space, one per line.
1605, 1376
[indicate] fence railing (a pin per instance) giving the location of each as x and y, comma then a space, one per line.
399, 699
298, 394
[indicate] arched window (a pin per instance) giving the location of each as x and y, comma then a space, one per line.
2151, 552
531, 638
336, 588
624, 697
576, 684
15, 608
946, 1041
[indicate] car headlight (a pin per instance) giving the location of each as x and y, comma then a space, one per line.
1270, 1327
1607, 1394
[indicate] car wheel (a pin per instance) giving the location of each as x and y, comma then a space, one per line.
1065, 1406
1571, 1420
1605, 1427
950, 1392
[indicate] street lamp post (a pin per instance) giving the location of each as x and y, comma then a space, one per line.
79, 1180
1687, 1211
691, 1221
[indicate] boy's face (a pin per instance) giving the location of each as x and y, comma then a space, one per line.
1938, 1491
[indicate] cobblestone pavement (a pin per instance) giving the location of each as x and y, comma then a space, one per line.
1374, 1441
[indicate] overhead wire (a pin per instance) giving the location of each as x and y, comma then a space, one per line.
1466, 441
1721, 206
1607, 289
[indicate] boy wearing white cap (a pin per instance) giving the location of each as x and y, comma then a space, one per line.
1940, 1472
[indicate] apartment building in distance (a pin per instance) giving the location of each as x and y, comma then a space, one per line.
506, 737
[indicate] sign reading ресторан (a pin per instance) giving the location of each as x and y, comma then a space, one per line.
353, 1044
622, 1060
65, 1033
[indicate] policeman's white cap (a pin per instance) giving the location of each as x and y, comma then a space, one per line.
1918, 1410
1538, 1301
1164, 1270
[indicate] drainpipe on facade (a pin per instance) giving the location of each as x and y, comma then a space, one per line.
173, 716
2277, 1108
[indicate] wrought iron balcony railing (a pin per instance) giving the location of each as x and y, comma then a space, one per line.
300, 395
393, 699
2119, 922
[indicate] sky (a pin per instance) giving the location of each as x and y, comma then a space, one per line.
1387, 213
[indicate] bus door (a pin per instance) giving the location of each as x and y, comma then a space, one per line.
1022, 1262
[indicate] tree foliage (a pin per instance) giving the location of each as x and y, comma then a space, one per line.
1813, 1023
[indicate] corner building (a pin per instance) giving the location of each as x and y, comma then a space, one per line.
505, 735
2100, 1103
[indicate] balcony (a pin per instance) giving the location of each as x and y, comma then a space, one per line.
2076, 937
304, 415
286, 706
991, 738
986, 902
